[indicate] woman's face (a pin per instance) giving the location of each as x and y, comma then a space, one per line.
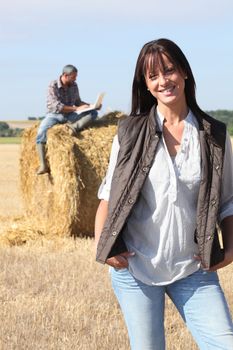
167, 86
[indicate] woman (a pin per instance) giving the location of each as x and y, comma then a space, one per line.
168, 185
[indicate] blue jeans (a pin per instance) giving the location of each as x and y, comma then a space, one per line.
198, 298
55, 118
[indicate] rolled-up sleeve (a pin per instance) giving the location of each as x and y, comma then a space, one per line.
226, 201
105, 187
54, 104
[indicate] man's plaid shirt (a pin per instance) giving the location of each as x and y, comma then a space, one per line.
58, 96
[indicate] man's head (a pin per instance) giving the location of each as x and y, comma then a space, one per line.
69, 74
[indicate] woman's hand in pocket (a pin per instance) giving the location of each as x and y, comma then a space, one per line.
120, 261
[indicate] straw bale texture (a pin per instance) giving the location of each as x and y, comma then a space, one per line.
64, 202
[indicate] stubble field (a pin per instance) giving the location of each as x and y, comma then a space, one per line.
53, 295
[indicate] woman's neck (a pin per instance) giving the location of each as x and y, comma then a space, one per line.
173, 116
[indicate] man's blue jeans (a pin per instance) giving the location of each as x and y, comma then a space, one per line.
198, 298
55, 118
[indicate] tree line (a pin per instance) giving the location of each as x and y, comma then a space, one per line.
224, 115
6, 131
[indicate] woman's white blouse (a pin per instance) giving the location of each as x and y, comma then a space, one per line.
160, 229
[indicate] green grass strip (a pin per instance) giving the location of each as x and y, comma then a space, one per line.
10, 140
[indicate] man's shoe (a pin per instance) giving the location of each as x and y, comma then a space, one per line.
42, 171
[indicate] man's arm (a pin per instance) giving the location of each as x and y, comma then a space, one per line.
79, 104
54, 104
82, 106
69, 109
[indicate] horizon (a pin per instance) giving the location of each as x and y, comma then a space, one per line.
37, 119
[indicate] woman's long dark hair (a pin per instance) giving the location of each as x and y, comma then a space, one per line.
151, 55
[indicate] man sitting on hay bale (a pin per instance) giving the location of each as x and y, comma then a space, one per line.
64, 106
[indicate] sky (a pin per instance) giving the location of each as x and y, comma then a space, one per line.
103, 38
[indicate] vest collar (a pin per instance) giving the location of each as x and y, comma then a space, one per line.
152, 120
204, 124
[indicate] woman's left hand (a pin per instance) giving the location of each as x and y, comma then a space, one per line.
228, 259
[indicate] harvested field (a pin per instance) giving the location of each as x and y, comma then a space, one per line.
10, 203
53, 295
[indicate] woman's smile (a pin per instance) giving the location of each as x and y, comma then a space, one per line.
167, 91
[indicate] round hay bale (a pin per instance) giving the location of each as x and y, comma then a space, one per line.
64, 202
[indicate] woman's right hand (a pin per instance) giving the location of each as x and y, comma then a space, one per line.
120, 261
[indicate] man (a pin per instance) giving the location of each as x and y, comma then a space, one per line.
64, 105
